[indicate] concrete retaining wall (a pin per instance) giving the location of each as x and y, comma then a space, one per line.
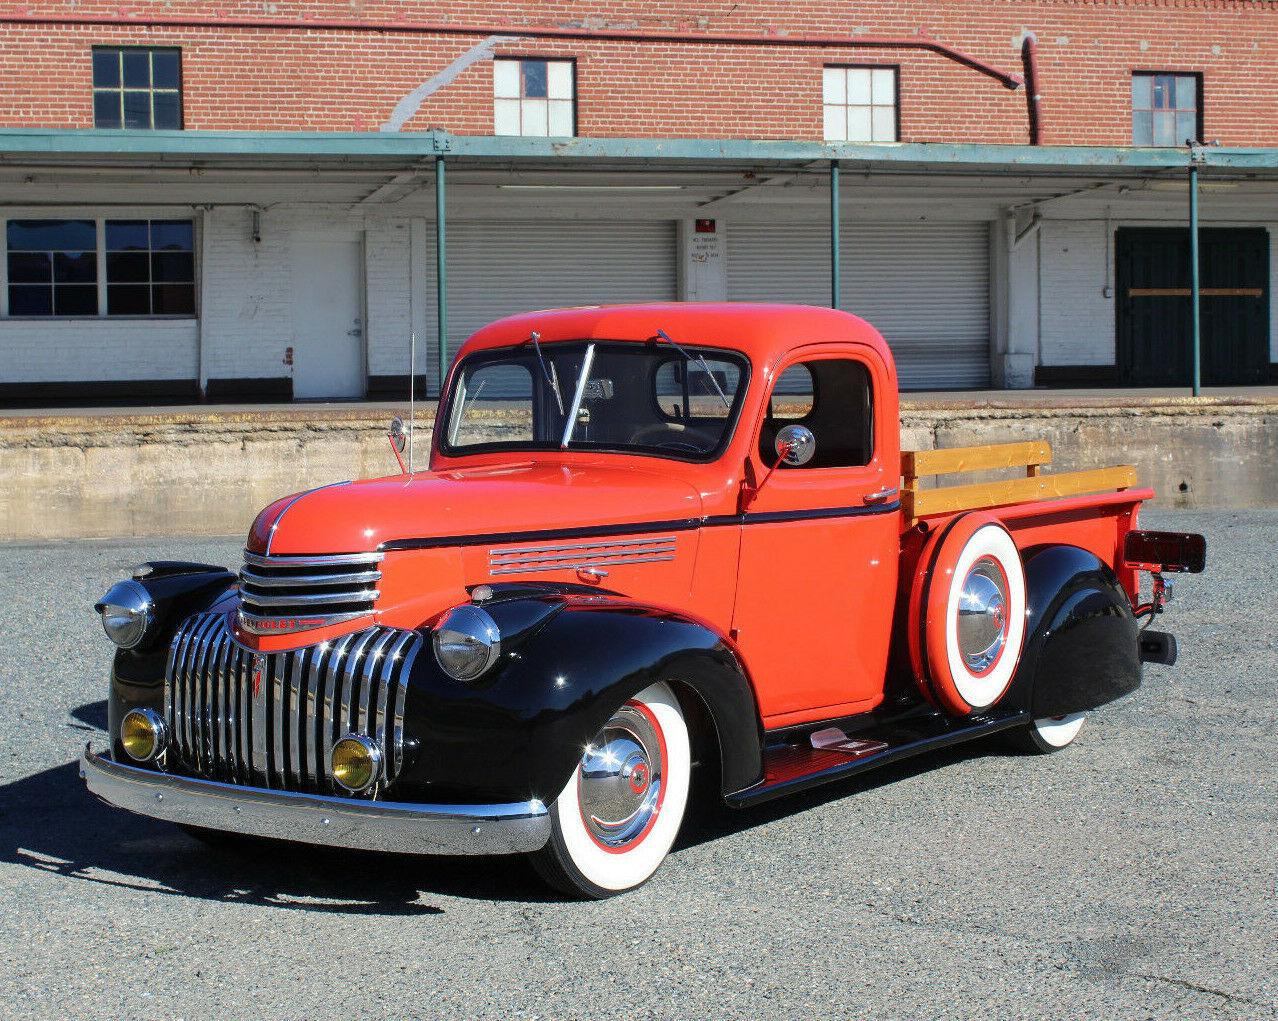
208, 473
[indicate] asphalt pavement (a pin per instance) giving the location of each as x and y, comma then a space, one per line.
1134, 876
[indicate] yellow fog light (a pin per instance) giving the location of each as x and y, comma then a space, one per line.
143, 734
356, 763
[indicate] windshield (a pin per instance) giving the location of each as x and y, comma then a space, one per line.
658, 398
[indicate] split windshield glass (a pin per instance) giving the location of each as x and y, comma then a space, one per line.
660, 399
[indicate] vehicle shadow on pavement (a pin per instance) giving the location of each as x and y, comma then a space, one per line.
49, 822
710, 819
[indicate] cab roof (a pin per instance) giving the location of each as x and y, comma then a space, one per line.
763, 332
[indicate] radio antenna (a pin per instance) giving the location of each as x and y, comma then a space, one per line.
412, 396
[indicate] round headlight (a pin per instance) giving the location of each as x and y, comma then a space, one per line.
467, 642
143, 734
127, 611
356, 763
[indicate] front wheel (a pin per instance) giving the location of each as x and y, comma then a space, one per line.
1048, 734
617, 818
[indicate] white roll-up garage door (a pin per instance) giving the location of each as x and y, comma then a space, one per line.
498, 269
925, 286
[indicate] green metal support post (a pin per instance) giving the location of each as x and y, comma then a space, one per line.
1194, 294
441, 274
834, 234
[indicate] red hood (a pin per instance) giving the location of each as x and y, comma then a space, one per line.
490, 500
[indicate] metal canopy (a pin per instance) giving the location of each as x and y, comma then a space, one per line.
45, 146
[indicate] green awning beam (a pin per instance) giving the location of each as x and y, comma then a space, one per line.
441, 275
834, 234
1194, 289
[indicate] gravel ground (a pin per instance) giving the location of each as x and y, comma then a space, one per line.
1132, 876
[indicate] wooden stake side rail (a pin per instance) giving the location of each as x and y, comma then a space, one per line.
1031, 456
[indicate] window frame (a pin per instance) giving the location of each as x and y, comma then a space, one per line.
896, 102
520, 59
805, 357
1198, 112
100, 261
150, 90
52, 284
732, 422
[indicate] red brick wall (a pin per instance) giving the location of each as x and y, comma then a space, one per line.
323, 78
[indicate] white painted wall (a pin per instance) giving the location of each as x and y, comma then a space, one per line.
57, 350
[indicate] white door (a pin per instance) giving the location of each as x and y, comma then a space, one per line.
924, 286
328, 318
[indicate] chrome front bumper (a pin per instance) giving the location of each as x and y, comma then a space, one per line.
317, 819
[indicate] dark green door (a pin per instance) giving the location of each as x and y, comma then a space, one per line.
1154, 325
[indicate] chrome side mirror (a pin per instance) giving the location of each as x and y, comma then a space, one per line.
398, 435
795, 445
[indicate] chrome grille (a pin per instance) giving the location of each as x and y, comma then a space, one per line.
271, 719
569, 556
284, 594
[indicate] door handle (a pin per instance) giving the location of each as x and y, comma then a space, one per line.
880, 495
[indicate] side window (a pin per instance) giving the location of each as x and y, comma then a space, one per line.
834, 398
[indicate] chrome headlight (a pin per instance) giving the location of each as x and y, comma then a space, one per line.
467, 642
127, 611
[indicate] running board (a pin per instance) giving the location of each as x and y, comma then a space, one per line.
821, 757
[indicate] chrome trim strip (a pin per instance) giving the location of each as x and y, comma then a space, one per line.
270, 538
601, 544
306, 580
366, 595
327, 560
572, 565
546, 556
318, 819
259, 624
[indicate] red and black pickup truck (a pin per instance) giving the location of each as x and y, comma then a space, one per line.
651, 538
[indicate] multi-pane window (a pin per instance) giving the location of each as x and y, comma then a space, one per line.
860, 104
533, 97
1165, 109
91, 267
150, 267
53, 267
136, 87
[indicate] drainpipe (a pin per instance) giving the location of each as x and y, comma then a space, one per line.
1029, 57
441, 275
1194, 290
834, 234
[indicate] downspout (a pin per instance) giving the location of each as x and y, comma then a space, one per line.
441, 276
1033, 95
132, 17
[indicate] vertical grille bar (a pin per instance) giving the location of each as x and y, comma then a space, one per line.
344, 718
330, 709
390, 670
368, 681
401, 696
278, 708
191, 685
231, 721
314, 771
260, 695
243, 667
180, 681
296, 698
216, 707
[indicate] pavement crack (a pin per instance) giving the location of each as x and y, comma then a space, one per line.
1195, 987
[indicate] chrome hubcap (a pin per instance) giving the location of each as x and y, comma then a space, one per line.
619, 782
982, 615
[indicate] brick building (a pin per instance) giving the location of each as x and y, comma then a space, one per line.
241, 200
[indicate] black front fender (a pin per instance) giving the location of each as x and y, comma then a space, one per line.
519, 732
1080, 648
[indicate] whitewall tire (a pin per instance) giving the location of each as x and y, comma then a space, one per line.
617, 817
1049, 734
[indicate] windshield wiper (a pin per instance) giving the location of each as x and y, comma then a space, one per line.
552, 377
578, 395
704, 367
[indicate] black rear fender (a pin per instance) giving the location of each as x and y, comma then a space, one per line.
1081, 647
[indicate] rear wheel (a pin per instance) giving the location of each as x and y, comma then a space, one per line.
617, 818
1049, 734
